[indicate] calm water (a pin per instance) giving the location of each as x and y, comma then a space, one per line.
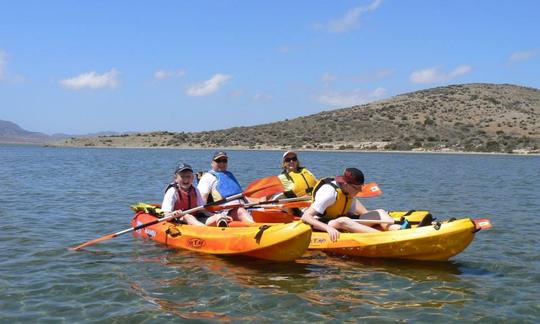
53, 198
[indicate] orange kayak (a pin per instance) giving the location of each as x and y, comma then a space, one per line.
276, 242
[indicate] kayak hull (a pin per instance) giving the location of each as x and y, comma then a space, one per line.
275, 242
437, 242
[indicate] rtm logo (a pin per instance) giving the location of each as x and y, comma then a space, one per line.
150, 232
196, 243
318, 240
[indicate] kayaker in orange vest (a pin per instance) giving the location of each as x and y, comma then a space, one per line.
218, 183
333, 206
182, 195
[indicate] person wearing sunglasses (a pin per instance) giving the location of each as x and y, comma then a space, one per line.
218, 183
182, 195
334, 207
297, 180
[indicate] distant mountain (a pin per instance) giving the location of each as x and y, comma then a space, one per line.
469, 117
12, 133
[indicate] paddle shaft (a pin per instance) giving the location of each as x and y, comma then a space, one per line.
260, 203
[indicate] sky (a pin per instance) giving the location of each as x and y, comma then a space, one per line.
80, 67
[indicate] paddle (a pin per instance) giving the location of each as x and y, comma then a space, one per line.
259, 188
369, 190
262, 204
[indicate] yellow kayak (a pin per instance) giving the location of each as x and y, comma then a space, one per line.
434, 242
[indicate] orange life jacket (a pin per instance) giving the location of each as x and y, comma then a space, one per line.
187, 198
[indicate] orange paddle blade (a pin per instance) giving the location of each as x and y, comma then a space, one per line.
482, 223
264, 187
94, 241
369, 190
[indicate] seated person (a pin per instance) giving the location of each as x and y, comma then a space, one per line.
181, 195
297, 180
333, 206
218, 183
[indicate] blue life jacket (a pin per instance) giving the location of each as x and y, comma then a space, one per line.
226, 185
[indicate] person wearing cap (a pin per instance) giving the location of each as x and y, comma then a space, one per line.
182, 195
333, 206
218, 183
297, 180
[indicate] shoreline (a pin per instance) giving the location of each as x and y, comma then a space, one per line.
237, 148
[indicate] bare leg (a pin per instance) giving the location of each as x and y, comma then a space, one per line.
191, 220
380, 214
347, 224
212, 220
242, 215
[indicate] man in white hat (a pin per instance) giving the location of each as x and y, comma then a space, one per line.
218, 183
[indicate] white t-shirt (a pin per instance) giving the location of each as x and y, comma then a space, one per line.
326, 196
171, 196
207, 183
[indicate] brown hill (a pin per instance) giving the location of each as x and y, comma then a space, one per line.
471, 117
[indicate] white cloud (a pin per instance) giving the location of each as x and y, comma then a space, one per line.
262, 97
165, 74
522, 56
459, 71
350, 20
434, 74
92, 80
351, 98
209, 86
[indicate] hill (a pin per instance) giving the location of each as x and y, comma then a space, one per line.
11, 133
14, 134
471, 117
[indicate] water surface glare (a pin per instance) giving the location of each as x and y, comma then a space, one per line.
54, 198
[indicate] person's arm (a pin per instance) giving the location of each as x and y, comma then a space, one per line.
309, 218
205, 186
357, 208
168, 200
200, 202
324, 198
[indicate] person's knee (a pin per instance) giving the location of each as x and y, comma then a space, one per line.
338, 222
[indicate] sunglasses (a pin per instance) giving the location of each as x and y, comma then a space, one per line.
221, 161
294, 158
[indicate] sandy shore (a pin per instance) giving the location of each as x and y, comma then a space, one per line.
245, 148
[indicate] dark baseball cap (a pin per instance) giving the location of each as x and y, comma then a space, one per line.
219, 154
182, 167
351, 176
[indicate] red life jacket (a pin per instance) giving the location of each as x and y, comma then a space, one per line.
187, 198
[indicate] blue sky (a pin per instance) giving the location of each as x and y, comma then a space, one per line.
88, 66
